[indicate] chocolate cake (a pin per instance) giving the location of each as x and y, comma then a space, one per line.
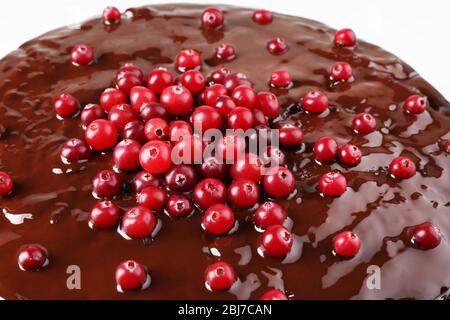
362, 134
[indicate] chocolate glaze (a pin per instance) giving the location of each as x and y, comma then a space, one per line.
51, 200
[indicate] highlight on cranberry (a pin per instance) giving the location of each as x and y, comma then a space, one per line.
341, 71
152, 197
243, 193
101, 135
262, 16
426, 236
350, 155
218, 219
188, 59
345, 38
225, 51
315, 101
179, 206
279, 182
416, 104
274, 295
268, 214
346, 244
276, 241
220, 276
66, 105
138, 222
105, 215
111, 15
332, 184
6, 184
32, 257
364, 123
402, 168
326, 149
280, 79
131, 275
277, 46
82, 55
75, 150
106, 184
212, 18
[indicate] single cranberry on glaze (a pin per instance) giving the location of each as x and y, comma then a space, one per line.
341, 71
181, 177
346, 244
209, 192
219, 75
179, 206
92, 112
243, 193
127, 81
143, 180
205, 118
274, 295
248, 167
75, 150
138, 222
153, 198
193, 80
269, 214
179, 129
364, 123
188, 59
66, 105
224, 105
273, 157
158, 79
280, 79
213, 167
106, 184
262, 16
82, 55
32, 257
220, 276
135, 130
153, 110
212, 18
315, 101
290, 136
230, 147
101, 135
276, 241
332, 184
402, 168
219, 219
130, 275
279, 182
111, 15
119, 115
105, 215
416, 104
139, 96
426, 236
130, 68
126, 154
177, 100
277, 46
6, 184
156, 129
212, 93
326, 149
268, 103
260, 119
240, 118
350, 155
345, 38
225, 51
111, 97
155, 156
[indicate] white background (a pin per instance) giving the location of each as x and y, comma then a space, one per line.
418, 31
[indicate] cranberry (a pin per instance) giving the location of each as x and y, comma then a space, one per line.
213, 167
212, 18
188, 59
402, 168
134, 130
447, 145
248, 167
130, 275
111, 15
426, 236
141, 95
260, 119
225, 51
119, 115
189, 150
179, 206
138, 222
219, 75
274, 295
244, 96
234, 80
240, 118
154, 110
6, 184
101, 134
279, 182
176, 99
127, 81
345, 38
156, 129
243, 193
276, 241
212, 93
205, 118
209, 192
350, 155
364, 123
290, 135
111, 97
158, 79
155, 156
32, 257
416, 104
107, 184
92, 112
273, 157
224, 104
129, 68
193, 80
262, 16
105, 215
346, 244
75, 150
179, 129
341, 71
326, 149
277, 46
218, 219
82, 55
230, 148
268, 103
152, 197
332, 184
143, 180
66, 105
315, 101
126, 154
181, 178
280, 79
269, 214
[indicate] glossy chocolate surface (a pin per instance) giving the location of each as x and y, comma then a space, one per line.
51, 200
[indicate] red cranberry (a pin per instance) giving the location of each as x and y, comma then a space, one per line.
402, 168
188, 59
290, 136
218, 219
111, 15
152, 197
130, 275
193, 80
158, 79
212, 93
230, 148
219, 75
209, 192
105, 215
234, 80
176, 99
315, 101
276, 241
155, 156
268, 103
277, 46
75, 150
154, 110
119, 115
224, 104
273, 157
341, 71
243, 193
326, 149
6, 184
244, 96
107, 184
101, 135
212, 18
260, 119
274, 295
213, 167
205, 118
269, 214
447, 145
248, 167
225, 51
181, 178
127, 81
111, 97
345, 38
280, 79
350, 155
262, 16
156, 129
279, 182
416, 104
364, 123
138, 222
179, 206
126, 154
139, 96
426, 236
346, 244
179, 129
134, 130
32, 257
92, 112
129, 69
332, 184
240, 118
66, 105
143, 180
82, 55
189, 150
